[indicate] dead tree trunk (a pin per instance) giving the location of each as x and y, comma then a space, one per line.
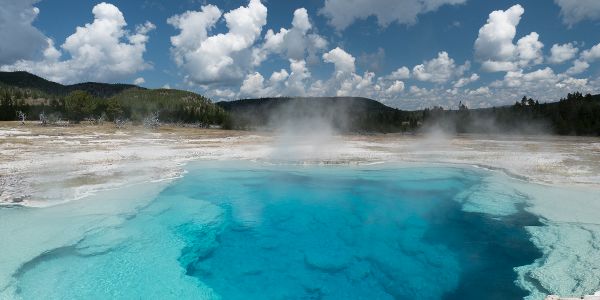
22, 117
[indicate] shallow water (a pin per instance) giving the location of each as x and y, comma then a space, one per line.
252, 231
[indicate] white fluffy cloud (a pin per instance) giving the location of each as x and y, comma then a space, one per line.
294, 43
280, 83
139, 81
445, 81
395, 88
592, 54
193, 26
466, 80
221, 57
343, 61
574, 11
102, 50
355, 85
297, 81
484, 90
440, 69
562, 53
519, 78
529, 50
342, 13
254, 86
494, 45
579, 66
20, 39
586, 58
495, 39
343, 82
542, 84
400, 74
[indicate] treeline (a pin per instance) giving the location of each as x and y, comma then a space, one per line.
134, 104
574, 115
30, 102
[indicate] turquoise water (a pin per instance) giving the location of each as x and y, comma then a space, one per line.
252, 231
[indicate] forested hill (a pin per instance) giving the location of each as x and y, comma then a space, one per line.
25, 80
342, 113
27, 97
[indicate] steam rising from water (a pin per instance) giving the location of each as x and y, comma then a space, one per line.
307, 133
309, 130
310, 141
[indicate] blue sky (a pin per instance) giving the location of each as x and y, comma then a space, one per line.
406, 53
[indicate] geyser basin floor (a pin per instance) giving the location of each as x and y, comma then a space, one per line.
251, 231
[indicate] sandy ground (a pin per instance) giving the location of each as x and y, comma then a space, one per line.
42, 166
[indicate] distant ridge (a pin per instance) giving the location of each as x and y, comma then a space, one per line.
32, 95
354, 114
27, 80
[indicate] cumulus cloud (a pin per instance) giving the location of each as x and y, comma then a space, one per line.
297, 81
519, 78
102, 50
223, 57
294, 43
342, 13
529, 50
344, 81
466, 80
400, 74
573, 83
293, 83
395, 88
343, 61
495, 39
574, 11
253, 86
592, 54
357, 86
20, 39
139, 81
484, 90
417, 91
542, 84
440, 69
279, 76
579, 66
494, 46
586, 58
193, 26
562, 53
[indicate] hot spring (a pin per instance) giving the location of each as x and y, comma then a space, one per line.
244, 230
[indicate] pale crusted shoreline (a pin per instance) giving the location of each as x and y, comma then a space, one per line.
41, 166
